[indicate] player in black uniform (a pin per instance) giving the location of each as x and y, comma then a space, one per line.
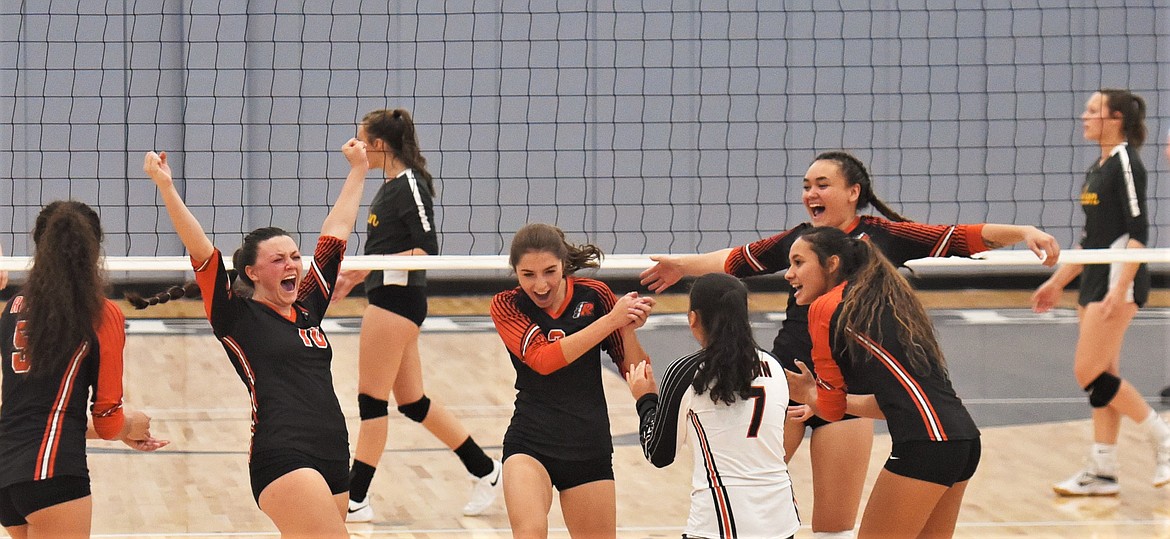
401, 222
555, 326
299, 458
836, 186
61, 342
1114, 201
876, 356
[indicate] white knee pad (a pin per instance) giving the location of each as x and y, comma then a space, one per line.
847, 534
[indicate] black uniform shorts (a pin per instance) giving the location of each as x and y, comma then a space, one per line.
943, 463
566, 474
409, 302
268, 466
20, 500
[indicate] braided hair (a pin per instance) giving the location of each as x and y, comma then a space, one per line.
856, 174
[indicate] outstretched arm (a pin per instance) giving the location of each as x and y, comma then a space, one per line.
339, 222
1043, 244
186, 225
669, 269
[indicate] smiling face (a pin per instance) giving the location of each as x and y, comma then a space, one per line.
1099, 123
542, 277
807, 276
828, 197
277, 271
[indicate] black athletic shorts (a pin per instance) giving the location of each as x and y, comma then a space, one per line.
566, 474
944, 463
20, 500
268, 466
409, 302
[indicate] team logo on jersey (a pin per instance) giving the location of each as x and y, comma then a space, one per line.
585, 308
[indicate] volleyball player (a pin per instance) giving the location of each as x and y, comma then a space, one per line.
836, 187
401, 222
271, 331
60, 340
555, 326
729, 400
1114, 201
876, 356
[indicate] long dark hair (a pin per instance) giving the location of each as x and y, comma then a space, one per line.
243, 257
856, 174
66, 286
542, 238
876, 286
396, 128
730, 361
1133, 114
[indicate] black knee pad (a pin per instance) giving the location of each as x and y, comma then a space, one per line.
1103, 389
417, 410
371, 408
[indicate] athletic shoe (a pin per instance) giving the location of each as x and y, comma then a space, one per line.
1087, 483
360, 511
1162, 464
485, 490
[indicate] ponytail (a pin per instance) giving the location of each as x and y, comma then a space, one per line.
190, 289
396, 128
856, 174
1133, 114
729, 361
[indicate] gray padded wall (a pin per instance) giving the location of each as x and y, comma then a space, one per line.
643, 127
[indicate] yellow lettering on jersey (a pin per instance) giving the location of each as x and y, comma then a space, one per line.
1089, 199
372, 219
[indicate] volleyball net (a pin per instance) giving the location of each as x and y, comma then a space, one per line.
642, 127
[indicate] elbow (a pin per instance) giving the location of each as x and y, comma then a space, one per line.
109, 428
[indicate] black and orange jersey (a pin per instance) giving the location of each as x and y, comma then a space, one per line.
1114, 201
402, 217
918, 406
560, 407
899, 241
282, 358
43, 418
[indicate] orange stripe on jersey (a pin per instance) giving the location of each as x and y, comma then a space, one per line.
616, 343
831, 388
246, 366
206, 272
933, 426
718, 491
108, 418
523, 338
327, 246
47, 455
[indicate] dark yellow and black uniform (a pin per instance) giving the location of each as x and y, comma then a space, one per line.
899, 241
560, 414
934, 438
1114, 201
43, 419
284, 361
402, 217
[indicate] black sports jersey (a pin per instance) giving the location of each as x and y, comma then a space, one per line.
1114, 201
917, 406
284, 362
899, 241
560, 414
402, 217
43, 418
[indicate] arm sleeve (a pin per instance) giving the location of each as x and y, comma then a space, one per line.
760, 257
662, 419
317, 285
523, 338
831, 389
221, 304
1133, 192
920, 240
107, 412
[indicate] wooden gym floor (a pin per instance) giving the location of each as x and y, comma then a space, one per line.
198, 487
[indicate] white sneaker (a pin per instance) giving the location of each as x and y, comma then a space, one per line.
360, 511
485, 490
1087, 483
1162, 464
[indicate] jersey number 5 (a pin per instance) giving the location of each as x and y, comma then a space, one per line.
19, 341
757, 394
